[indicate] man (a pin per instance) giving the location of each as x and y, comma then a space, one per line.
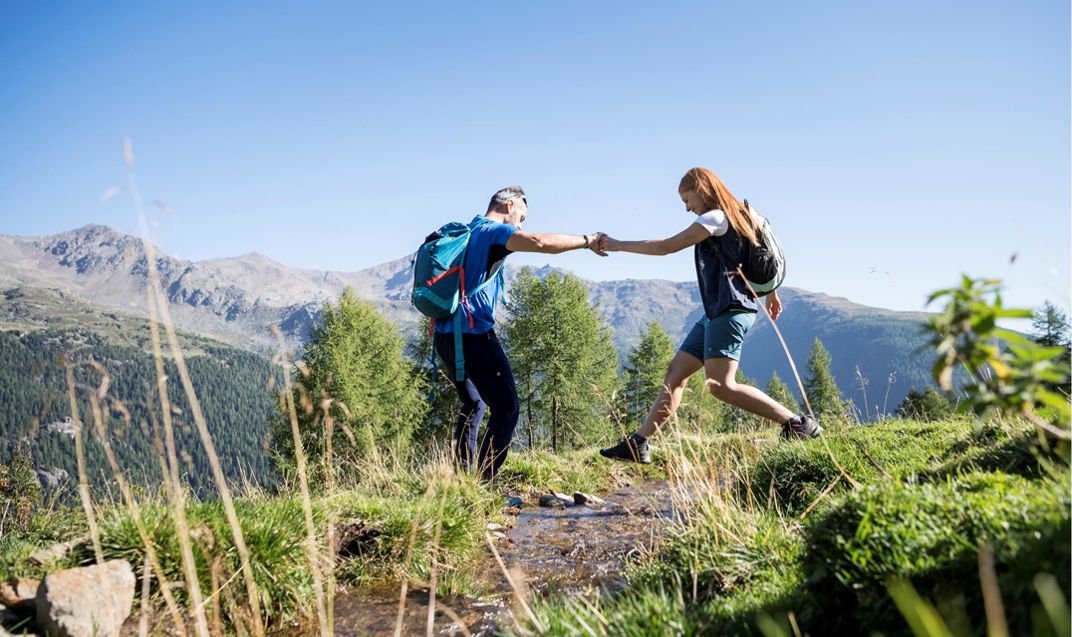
489, 379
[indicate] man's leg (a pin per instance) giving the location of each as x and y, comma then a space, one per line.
489, 369
471, 412
467, 426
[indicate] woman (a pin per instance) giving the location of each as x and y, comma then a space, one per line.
722, 226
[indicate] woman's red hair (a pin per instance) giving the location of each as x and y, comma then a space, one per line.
715, 195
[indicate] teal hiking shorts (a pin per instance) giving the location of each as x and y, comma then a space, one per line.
720, 337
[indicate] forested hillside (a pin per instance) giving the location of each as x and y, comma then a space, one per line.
34, 406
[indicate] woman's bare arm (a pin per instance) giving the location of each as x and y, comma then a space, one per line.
690, 236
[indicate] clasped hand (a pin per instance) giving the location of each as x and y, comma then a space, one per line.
601, 244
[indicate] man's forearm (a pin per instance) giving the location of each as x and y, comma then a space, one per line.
556, 243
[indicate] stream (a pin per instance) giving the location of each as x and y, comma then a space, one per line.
548, 549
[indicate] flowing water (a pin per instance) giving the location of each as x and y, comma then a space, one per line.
548, 549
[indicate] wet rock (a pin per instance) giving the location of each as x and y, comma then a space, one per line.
53, 553
495, 527
88, 601
18, 594
587, 499
555, 499
551, 501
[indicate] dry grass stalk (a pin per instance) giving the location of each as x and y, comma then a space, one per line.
513, 585
175, 490
996, 624
83, 480
146, 581
454, 617
303, 484
128, 497
224, 491
326, 403
405, 578
435, 564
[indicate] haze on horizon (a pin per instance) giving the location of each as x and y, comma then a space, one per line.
894, 147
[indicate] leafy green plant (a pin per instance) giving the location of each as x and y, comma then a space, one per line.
1009, 373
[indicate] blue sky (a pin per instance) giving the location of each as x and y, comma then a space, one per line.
893, 144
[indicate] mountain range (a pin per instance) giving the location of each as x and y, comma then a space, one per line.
237, 300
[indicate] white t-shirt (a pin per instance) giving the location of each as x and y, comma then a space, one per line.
715, 222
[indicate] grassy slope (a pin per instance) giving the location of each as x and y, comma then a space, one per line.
798, 544
793, 540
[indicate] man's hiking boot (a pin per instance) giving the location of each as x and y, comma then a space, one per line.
801, 428
633, 449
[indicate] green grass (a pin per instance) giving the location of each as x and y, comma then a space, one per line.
747, 562
538, 472
754, 559
899, 451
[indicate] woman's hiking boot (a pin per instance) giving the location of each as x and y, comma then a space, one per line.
801, 428
632, 449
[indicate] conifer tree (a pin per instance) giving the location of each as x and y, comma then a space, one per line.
20, 492
438, 390
779, 391
355, 366
645, 372
563, 359
1050, 326
823, 392
925, 406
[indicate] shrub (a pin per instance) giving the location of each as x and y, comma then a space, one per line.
930, 535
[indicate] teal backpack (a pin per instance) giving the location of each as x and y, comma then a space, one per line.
439, 281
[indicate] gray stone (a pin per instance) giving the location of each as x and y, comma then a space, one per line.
91, 601
555, 499
550, 501
18, 594
53, 553
52, 478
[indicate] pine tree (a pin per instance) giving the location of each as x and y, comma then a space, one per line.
925, 406
779, 391
822, 390
439, 392
1050, 326
645, 372
564, 362
355, 366
20, 492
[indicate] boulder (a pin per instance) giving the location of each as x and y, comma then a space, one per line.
18, 594
92, 601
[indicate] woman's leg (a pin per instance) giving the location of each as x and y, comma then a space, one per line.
722, 383
681, 368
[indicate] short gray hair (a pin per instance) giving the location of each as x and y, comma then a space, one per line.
504, 195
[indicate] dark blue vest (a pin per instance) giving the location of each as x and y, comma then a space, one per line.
721, 287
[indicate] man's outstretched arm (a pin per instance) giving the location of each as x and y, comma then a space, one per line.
552, 243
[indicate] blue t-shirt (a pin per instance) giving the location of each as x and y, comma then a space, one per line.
487, 249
